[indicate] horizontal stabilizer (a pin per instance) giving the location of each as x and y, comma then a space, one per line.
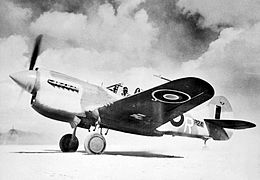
231, 124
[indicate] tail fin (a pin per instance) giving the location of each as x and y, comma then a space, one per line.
219, 105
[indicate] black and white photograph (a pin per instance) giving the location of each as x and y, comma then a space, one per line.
129, 89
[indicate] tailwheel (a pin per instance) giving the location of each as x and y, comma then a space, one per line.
69, 143
95, 143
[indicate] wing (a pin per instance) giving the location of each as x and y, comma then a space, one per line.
144, 112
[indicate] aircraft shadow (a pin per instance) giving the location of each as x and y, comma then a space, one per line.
145, 154
38, 152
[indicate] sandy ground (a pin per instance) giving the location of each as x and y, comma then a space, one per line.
136, 158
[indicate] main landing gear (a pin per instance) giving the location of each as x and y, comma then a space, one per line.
95, 143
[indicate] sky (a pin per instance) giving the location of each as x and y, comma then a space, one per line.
130, 41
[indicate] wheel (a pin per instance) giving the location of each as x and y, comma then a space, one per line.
69, 143
95, 143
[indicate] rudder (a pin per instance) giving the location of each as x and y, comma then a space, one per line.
219, 105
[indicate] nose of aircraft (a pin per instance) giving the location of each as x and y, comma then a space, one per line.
25, 79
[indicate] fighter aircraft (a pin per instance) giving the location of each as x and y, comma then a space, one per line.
81, 104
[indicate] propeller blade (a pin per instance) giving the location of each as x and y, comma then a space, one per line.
35, 51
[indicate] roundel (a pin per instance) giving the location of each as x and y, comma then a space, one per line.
177, 121
170, 96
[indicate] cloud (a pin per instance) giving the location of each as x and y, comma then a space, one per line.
65, 26
180, 37
107, 32
218, 13
13, 19
12, 50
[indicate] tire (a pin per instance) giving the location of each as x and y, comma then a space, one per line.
69, 143
95, 143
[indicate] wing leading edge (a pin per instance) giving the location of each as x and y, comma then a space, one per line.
144, 112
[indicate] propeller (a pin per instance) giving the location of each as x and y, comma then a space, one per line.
23, 78
35, 52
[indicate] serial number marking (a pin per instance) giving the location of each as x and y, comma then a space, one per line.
198, 123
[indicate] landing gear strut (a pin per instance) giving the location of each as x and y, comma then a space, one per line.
69, 142
205, 141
